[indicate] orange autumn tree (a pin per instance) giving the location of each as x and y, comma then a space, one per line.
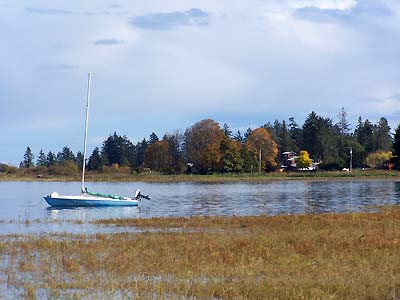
202, 146
260, 143
157, 156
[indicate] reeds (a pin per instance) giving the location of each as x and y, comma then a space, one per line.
329, 256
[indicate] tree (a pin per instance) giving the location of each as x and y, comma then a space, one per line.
140, 153
295, 135
343, 124
118, 150
232, 160
396, 148
153, 138
322, 140
157, 156
95, 161
41, 160
262, 145
364, 133
383, 138
79, 160
175, 149
65, 155
50, 159
238, 137
378, 158
28, 159
202, 145
246, 135
304, 160
227, 131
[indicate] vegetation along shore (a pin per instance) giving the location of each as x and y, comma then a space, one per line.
214, 178
328, 256
207, 148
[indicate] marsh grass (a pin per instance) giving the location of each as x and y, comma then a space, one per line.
213, 178
328, 256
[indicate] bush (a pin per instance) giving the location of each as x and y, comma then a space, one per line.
8, 169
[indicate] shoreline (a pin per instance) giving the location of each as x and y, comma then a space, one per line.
216, 178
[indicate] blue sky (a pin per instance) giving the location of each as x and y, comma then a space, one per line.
163, 65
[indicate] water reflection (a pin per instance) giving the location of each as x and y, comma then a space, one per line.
187, 199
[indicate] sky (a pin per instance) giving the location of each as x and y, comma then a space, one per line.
161, 66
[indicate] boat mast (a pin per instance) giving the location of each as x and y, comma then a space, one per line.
86, 129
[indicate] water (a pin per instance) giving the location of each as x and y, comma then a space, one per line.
23, 210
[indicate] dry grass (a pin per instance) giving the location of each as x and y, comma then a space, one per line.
217, 178
332, 256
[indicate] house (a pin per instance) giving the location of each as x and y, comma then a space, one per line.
289, 161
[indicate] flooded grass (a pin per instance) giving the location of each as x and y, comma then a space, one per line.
328, 256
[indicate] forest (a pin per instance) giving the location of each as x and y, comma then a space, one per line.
206, 148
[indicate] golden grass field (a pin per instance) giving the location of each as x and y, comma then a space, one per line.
327, 256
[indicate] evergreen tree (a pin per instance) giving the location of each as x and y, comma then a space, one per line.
153, 138
227, 131
383, 138
140, 153
79, 160
364, 133
118, 150
238, 137
50, 159
28, 159
65, 155
41, 160
246, 135
175, 151
343, 124
321, 139
296, 135
95, 161
396, 148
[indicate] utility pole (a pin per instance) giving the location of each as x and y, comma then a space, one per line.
259, 162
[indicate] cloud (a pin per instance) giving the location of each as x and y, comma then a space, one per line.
165, 21
362, 9
109, 42
48, 11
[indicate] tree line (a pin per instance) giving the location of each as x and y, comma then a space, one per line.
206, 147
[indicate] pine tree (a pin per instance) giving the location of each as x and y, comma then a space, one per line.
50, 159
28, 159
95, 161
153, 138
238, 137
396, 148
227, 130
65, 155
41, 161
79, 160
383, 138
343, 124
246, 135
140, 153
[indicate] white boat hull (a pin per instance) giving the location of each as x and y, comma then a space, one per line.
88, 201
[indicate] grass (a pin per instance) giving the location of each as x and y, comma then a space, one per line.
215, 178
328, 256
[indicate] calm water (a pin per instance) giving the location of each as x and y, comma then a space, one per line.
22, 201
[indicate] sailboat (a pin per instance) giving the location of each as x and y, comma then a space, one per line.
87, 198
